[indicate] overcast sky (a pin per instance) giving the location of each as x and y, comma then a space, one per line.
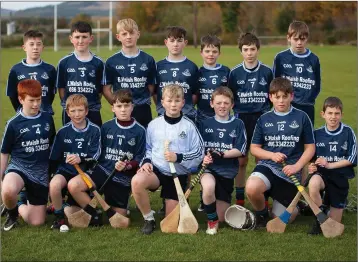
24, 5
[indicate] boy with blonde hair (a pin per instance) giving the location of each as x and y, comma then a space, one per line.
132, 69
185, 151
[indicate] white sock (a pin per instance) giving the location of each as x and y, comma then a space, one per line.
149, 216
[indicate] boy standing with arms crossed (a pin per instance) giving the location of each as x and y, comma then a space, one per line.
133, 69
250, 83
81, 72
336, 153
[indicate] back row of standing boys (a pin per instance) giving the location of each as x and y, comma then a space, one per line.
283, 135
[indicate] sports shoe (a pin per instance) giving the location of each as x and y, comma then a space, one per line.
201, 207
58, 223
261, 220
3, 210
316, 229
213, 227
10, 223
96, 221
148, 227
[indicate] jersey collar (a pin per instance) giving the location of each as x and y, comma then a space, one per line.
231, 118
257, 67
308, 52
335, 132
30, 117
172, 61
81, 130
283, 114
217, 66
130, 56
124, 127
23, 61
84, 60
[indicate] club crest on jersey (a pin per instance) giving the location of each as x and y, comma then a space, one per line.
263, 82
233, 133
47, 127
143, 67
182, 135
186, 72
309, 69
44, 75
224, 79
131, 142
345, 145
294, 124
92, 73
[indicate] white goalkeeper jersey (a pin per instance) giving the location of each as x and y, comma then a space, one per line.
185, 140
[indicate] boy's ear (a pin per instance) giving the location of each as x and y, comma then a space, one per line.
186, 42
211, 104
288, 38
322, 114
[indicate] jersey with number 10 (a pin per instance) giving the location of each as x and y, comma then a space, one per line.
183, 73
304, 72
286, 133
209, 80
250, 88
81, 77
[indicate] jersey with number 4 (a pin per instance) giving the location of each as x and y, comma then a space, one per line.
81, 77
42, 72
183, 73
131, 72
222, 136
251, 88
27, 140
209, 80
337, 146
118, 141
86, 143
304, 72
285, 133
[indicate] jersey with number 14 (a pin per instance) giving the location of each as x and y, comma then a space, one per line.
285, 133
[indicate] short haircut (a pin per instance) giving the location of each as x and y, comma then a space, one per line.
29, 87
280, 84
210, 40
173, 90
122, 96
332, 101
76, 100
248, 39
82, 27
127, 24
176, 32
298, 28
32, 34
223, 91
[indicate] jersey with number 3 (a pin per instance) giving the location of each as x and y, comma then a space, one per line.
86, 143
337, 146
304, 72
250, 88
285, 133
27, 140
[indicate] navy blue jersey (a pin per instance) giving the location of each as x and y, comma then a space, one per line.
118, 141
86, 143
209, 80
286, 133
131, 72
336, 146
304, 72
222, 136
42, 72
27, 140
81, 77
183, 73
251, 88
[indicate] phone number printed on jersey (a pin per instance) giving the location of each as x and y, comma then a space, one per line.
281, 144
246, 100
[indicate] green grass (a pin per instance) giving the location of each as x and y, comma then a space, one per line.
339, 69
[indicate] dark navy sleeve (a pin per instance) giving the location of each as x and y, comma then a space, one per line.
101, 76
152, 72
108, 74
352, 147
276, 67
61, 71
195, 84
56, 150
232, 84
257, 137
52, 131
241, 139
8, 140
94, 151
52, 85
317, 72
140, 149
307, 131
11, 87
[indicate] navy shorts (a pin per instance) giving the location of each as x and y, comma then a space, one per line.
115, 194
223, 187
70, 200
281, 190
142, 114
308, 109
93, 116
336, 189
168, 187
37, 194
249, 120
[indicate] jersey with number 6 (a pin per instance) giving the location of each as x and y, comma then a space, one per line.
222, 136
250, 88
209, 80
81, 77
28, 140
304, 72
337, 145
285, 133
183, 73
86, 143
